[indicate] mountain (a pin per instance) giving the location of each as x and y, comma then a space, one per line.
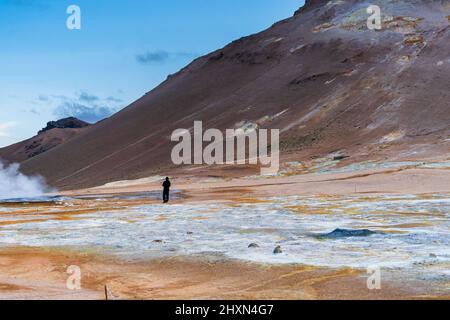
66, 123
53, 135
322, 77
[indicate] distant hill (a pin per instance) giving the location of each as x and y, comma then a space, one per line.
53, 135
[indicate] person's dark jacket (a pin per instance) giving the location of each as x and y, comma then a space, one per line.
166, 185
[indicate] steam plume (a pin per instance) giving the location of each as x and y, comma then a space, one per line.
14, 184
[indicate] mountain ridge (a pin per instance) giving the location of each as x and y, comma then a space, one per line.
321, 77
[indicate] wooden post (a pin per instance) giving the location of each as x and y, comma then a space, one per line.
106, 292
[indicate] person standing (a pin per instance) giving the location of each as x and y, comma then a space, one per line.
166, 191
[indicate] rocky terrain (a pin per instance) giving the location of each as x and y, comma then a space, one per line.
322, 77
66, 123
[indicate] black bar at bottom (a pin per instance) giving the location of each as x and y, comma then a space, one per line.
225, 309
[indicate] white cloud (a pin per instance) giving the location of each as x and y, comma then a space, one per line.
5, 127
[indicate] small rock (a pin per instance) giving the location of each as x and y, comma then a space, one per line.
253, 245
189, 232
432, 255
277, 250
157, 241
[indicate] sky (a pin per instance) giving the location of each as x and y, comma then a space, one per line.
123, 50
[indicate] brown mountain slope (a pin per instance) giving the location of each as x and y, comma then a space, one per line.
321, 76
53, 135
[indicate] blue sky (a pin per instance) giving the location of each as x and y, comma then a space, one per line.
124, 49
